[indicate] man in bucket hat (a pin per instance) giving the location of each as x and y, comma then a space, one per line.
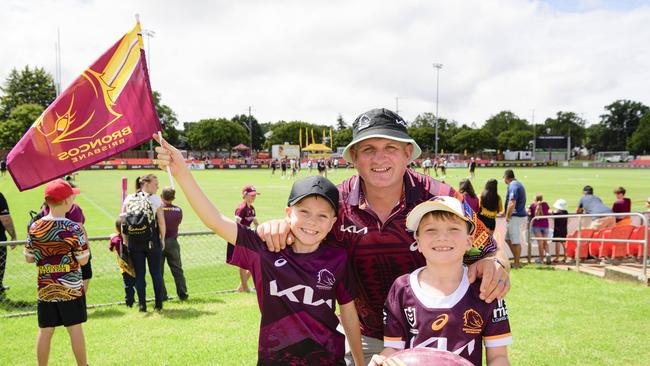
371, 222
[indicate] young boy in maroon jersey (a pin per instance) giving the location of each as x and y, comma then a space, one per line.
296, 287
245, 215
436, 306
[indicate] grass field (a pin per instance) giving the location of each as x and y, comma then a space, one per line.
558, 318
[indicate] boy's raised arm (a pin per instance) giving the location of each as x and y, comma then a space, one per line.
169, 156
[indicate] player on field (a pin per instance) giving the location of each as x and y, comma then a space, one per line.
297, 287
436, 306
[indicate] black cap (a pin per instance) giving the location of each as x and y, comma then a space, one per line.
588, 190
315, 186
380, 122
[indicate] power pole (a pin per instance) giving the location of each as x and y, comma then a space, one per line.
250, 129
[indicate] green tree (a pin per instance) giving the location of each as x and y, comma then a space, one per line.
290, 132
596, 137
213, 134
567, 124
258, 135
639, 142
340, 124
621, 120
472, 140
168, 119
24, 87
504, 121
342, 137
425, 137
20, 119
514, 140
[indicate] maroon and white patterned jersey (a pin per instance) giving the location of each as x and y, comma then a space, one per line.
457, 323
379, 253
297, 295
245, 213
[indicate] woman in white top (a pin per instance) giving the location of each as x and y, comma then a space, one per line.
148, 250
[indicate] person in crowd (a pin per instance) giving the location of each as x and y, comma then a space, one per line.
145, 237
291, 332
172, 252
283, 168
433, 301
6, 226
622, 204
373, 206
560, 228
472, 168
117, 245
426, 166
443, 168
309, 165
335, 163
540, 227
515, 213
3, 167
467, 190
436, 165
490, 205
76, 214
58, 246
274, 165
245, 216
591, 204
322, 168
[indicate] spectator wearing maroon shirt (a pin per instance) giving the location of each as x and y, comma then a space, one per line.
540, 227
244, 215
172, 251
297, 287
6, 224
371, 221
622, 204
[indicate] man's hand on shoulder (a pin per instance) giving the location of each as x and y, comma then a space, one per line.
495, 278
276, 234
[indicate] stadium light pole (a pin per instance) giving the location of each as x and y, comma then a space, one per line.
438, 67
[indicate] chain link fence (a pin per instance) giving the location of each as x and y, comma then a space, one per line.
203, 256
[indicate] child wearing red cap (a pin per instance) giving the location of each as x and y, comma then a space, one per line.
245, 215
58, 247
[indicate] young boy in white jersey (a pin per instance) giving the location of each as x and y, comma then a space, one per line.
296, 287
435, 306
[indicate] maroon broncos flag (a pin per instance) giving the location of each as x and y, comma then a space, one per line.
106, 110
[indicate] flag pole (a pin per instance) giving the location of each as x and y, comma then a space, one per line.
169, 171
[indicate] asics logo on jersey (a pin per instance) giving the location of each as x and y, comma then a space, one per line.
354, 230
307, 295
414, 246
440, 322
280, 262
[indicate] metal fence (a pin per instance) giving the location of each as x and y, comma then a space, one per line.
579, 240
203, 255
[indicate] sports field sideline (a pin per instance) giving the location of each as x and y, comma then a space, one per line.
558, 318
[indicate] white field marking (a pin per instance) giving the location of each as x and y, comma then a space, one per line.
100, 208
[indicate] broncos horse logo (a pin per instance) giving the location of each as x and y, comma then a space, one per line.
84, 110
326, 279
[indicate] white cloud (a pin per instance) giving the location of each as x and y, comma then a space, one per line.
312, 60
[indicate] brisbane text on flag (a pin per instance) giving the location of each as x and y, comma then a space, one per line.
106, 110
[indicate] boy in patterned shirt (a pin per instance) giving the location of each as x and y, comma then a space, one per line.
435, 306
58, 247
296, 287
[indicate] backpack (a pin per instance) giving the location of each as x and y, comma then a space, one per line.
34, 216
140, 219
